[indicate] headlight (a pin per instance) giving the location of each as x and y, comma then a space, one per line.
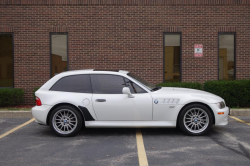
221, 105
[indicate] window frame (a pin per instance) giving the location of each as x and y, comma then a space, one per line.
218, 53
13, 66
135, 84
50, 49
71, 76
172, 33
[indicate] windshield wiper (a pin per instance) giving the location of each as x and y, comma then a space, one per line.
155, 88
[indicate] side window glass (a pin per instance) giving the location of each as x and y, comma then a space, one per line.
107, 84
134, 88
74, 83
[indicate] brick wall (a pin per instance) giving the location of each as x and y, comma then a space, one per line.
123, 35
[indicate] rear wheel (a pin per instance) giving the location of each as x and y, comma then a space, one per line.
65, 121
195, 119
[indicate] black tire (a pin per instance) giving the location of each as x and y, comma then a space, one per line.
188, 130
77, 118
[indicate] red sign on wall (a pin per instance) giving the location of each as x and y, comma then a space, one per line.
198, 50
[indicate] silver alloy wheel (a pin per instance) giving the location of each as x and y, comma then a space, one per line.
64, 121
196, 120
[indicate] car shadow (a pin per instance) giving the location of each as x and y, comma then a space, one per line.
118, 132
161, 132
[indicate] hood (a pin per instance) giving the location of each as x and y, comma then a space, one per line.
188, 94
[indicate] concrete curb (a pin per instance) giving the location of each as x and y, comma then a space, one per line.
15, 114
240, 112
28, 114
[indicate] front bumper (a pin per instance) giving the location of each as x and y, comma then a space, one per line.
40, 113
220, 119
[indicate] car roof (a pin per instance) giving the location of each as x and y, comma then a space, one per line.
95, 70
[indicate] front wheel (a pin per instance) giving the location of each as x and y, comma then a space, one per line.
65, 121
195, 119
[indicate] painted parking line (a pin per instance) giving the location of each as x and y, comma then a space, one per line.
16, 128
242, 121
142, 157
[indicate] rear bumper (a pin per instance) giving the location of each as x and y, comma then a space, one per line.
220, 119
40, 113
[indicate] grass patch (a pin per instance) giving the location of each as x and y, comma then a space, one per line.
240, 108
15, 109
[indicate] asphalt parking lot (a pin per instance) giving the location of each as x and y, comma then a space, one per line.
37, 145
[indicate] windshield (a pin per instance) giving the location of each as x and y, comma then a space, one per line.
142, 82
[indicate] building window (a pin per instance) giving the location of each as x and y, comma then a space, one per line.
227, 56
6, 60
172, 57
59, 53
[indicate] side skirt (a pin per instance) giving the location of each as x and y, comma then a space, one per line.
132, 124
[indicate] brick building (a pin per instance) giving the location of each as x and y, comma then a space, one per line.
153, 38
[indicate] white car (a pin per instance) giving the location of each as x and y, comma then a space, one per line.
97, 98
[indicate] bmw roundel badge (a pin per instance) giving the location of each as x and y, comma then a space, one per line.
156, 101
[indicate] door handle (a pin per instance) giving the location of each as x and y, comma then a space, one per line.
100, 100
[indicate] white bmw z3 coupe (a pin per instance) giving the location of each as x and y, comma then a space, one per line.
98, 98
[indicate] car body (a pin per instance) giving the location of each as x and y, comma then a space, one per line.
98, 98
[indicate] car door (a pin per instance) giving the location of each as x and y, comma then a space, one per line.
110, 104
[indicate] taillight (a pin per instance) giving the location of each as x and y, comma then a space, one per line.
38, 101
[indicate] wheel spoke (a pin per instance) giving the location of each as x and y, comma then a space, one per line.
71, 123
67, 128
197, 127
195, 113
61, 127
70, 127
200, 114
72, 117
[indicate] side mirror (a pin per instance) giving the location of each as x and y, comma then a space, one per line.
126, 90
